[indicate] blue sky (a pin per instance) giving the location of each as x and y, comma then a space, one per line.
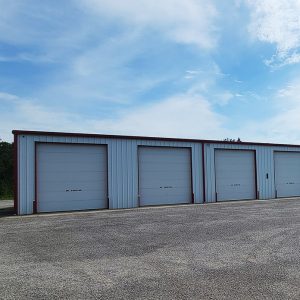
193, 68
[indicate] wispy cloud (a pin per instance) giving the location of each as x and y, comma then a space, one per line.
283, 125
189, 109
26, 57
238, 81
277, 22
193, 72
149, 67
187, 22
8, 97
223, 98
158, 119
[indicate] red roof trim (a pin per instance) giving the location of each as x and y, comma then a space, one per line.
29, 132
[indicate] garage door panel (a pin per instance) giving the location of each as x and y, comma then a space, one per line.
171, 160
63, 166
70, 162
166, 184
235, 174
232, 193
163, 157
160, 178
164, 175
64, 184
69, 167
287, 174
65, 148
71, 155
234, 181
170, 191
72, 205
165, 170
156, 198
163, 178
57, 185
238, 186
167, 159
74, 175
292, 190
55, 196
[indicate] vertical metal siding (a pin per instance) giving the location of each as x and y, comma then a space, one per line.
122, 177
122, 168
264, 164
25, 173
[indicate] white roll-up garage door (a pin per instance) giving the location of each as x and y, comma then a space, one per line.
71, 177
235, 175
164, 175
287, 174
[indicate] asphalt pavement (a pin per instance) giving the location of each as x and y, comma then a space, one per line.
234, 250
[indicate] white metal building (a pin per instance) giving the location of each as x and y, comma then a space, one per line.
72, 171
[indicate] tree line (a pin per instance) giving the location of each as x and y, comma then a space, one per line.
6, 170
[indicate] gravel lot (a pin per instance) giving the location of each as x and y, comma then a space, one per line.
234, 250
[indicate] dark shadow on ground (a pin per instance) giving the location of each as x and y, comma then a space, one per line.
6, 208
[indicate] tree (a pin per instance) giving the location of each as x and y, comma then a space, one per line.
6, 170
238, 140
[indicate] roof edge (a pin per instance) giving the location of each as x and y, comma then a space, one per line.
134, 137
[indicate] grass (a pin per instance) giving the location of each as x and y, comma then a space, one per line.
6, 197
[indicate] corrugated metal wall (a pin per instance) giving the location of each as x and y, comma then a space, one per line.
264, 165
122, 167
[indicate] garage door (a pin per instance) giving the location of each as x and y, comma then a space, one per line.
71, 177
287, 174
235, 175
164, 176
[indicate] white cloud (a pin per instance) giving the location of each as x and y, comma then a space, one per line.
93, 58
100, 62
284, 125
192, 72
20, 113
100, 73
58, 31
277, 22
47, 32
186, 116
223, 98
187, 22
8, 97
238, 81
27, 57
